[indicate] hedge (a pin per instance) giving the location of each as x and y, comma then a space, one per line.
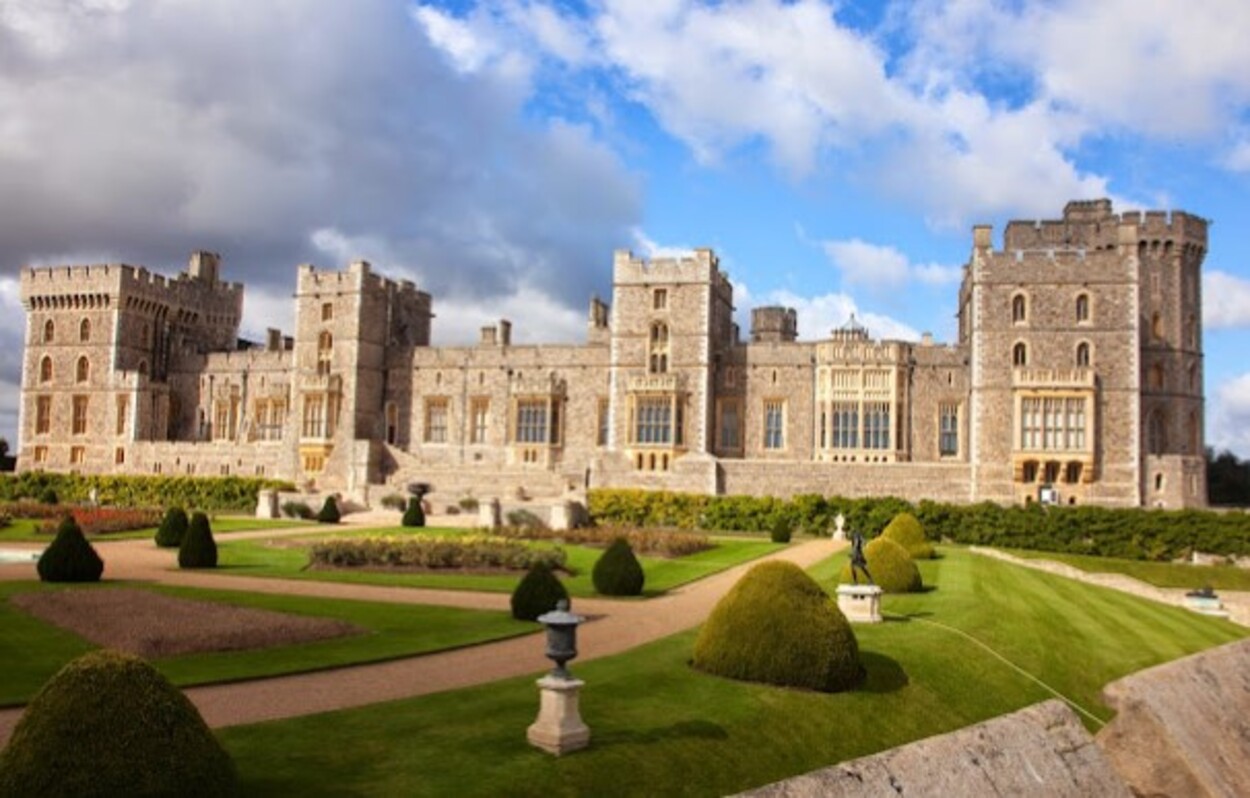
208, 493
1131, 533
656, 542
430, 552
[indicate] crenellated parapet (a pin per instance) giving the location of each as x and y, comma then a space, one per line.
700, 266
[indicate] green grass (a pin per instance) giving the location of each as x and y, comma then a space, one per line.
660, 728
1159, 574
255, 558
26, 530
33, 650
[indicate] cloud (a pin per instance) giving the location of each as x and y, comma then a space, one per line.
818, 315
650, 249
1229, 422
1226, 301
881, 267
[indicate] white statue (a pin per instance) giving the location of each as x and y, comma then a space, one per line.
839, 522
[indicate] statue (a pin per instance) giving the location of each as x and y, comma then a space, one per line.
839, 521
858, 560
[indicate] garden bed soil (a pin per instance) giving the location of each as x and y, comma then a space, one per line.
153, 625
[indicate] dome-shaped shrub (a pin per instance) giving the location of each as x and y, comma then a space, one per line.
906, 531
777, 626
329, 512
780, 531
110, 724
892, 568
69, 558
617, 572
537, 593
173, 528
414, 515
198, 549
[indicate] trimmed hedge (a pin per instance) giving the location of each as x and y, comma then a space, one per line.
661, 542
537, 593
777, 626
891, 567
69, 557
907, 532
329, 512
617, 571
173, 528
415, 514
198, 549
209, 493
109, 724
430, 552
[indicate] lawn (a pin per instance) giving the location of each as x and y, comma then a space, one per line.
1159, 574
660, 728
26, 530
256, 558
33, 650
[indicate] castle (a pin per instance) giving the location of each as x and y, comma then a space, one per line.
1076, 378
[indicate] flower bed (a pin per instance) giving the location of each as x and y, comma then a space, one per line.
658, 542
475, 552
104, 520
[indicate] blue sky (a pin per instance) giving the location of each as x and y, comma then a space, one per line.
834, 154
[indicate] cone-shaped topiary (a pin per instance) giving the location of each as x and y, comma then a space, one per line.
329, 512
414, 515
891, 567
110, 724
70, 558
617, 572
173, 528
537, 593
906, 531
198, 549
777, 626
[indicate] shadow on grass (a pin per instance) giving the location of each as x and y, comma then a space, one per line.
686, 729
885, 675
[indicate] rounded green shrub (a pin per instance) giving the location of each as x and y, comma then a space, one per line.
780, 532
329, 512
907, 531
777, 626
537, 593
109, 724
70, 558
892, 568
617, 571
198, 549
173, 528
48, 496
414, 515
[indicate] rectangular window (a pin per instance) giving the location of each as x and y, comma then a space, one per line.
660, 299
77, 455
876, 425
479, 415
531, 421
41, 454
79, 420
730, 425
774, 424
1052, 423
436, 421
604, 415
119, 455
43, 414
123, 403
314, 417
653, 420
221, 421
845, 425
948, 430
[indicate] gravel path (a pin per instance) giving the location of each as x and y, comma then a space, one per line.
616, 626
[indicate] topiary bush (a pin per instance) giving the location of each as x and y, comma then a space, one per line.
892, 568
294, 509
329, 512
908, 532
537, 593
414, 515
173, 528
48, 496
198, 549
109, 724
70, 558
780, 533
777, 626
617, 571
393, 501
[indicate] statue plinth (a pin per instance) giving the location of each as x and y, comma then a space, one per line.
559, 728
860, 603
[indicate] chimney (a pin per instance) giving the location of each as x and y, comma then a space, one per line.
273, 340
505, 332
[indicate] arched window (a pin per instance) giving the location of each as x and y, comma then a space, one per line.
1082, 354
45, 369
49, 331
1156, 326
1082, 308
1157, 433
657, 360
1020, 355
83, 372
1019, 309
1155, 378
84, 330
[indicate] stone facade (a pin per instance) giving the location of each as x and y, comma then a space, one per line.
1076, 377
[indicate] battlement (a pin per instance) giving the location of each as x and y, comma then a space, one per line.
358, 277
123, 284
774, 324
1164, 225
1092, 224
700, 266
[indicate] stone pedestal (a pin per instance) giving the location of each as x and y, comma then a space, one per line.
559, 728
488, 513
561, 516
860, 603
267, 504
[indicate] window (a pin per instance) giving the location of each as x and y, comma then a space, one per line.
479, 417
1019, 309
79, 419
845, 425
84, 330
1156, 326
119, 455
774, 424
659, 299
77, 455
1082, 354
1020, 355
1155, 377
602, 419
731, 425
1050, 474
653, 420
325, 352
41, 454
531, 421
314, 463
657, 362
314, 418
1072, 474
1052, 423
392, 423
45, 370
1082, 308
948, 430
221, 421
43, 415
49, 331
877, 425
1157, 433
83, 371
327, 311
436, 420
123, 403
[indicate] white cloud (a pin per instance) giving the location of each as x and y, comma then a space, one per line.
536, 318
1226, 301
1229, 422
467, 48
819, 315
1237, 158
648, 248
882, 267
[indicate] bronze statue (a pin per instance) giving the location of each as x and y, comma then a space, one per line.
858, 561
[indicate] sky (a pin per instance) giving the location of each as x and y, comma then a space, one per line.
834, 154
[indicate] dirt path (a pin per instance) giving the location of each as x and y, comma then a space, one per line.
617, 626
